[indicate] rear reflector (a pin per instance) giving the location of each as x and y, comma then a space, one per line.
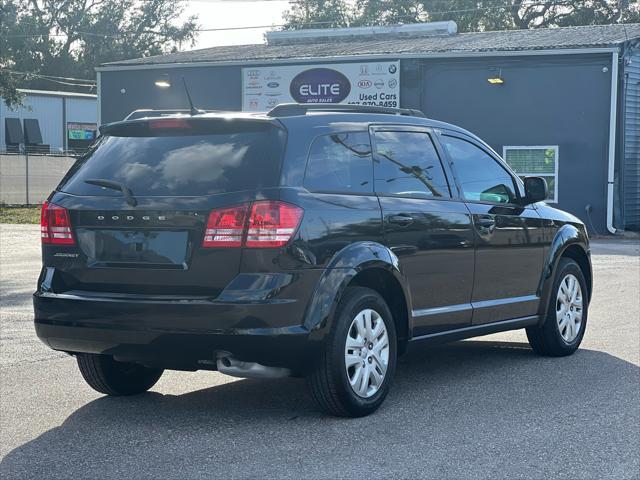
272, 224
225, 227
55, 227
269, 224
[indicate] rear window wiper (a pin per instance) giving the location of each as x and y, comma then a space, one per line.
101, 182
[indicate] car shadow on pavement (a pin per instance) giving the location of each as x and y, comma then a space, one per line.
465, 409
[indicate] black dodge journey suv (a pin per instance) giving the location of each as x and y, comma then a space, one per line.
317, 241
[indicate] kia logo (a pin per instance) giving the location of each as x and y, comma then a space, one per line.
320, 85
364, 83
273, 84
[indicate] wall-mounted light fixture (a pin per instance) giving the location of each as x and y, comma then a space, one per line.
163, 81
496, 80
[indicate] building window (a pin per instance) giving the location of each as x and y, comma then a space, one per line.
539, 161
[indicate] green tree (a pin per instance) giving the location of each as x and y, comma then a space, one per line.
524, 14
474, 15
317, 14
8, 82
69, 38
388, 12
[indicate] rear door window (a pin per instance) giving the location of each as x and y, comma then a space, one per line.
407, 165
202, 159
340, 163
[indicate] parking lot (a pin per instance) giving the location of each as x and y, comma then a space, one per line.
483, 408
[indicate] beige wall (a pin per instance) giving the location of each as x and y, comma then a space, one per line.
45, 172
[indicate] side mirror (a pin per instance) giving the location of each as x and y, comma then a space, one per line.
535, 190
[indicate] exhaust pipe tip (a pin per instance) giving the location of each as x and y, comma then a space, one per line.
230, 366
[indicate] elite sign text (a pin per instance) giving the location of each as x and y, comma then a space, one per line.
374, 83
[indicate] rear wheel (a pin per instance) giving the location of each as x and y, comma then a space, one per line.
564, 327
108, 376
357, 363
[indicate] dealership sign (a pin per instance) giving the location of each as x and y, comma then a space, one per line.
373, 83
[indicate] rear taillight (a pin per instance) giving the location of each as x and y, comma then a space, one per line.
269, 224
272, 224
55, 227
225, 227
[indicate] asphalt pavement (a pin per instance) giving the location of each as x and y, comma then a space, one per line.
482, 408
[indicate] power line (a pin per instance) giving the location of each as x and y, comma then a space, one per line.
59, 80
49, 76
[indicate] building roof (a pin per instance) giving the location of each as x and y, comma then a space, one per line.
593, 36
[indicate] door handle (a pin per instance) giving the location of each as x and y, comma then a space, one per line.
486, 222
402, 219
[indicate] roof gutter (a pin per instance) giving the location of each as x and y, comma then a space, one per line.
360, 58
612, 140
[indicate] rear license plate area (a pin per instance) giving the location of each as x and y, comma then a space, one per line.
125, 248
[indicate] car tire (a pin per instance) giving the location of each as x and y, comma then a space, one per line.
372, 361
561, 334
108, 376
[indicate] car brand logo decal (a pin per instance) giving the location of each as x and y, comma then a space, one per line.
273, 84
145, 218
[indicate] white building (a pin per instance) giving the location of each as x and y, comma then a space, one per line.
67, 120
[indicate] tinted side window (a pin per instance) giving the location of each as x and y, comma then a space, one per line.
340, 163
407, 164
481, 177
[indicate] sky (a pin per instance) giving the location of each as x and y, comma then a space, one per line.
235, 13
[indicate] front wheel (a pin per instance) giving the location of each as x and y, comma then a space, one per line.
108, 376
564, 327
356, 366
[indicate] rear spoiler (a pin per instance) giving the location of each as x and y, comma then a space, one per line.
175, 121
150, 113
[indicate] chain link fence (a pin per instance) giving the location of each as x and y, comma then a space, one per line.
29, 179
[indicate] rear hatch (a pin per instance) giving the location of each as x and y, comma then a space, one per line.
139, 202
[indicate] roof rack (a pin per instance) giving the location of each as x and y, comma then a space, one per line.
295, 109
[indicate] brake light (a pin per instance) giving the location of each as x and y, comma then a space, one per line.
269, 224
272, 224
225, 227
169, 124
55, 227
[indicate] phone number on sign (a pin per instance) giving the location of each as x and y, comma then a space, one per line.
382, 103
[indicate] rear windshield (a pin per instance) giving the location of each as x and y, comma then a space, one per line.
198, 158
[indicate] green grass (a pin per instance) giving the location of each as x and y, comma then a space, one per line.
20, 214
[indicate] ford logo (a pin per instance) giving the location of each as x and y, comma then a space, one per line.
273, 84
320, 85
364, 83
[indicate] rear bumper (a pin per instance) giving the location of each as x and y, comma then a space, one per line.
183, 334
